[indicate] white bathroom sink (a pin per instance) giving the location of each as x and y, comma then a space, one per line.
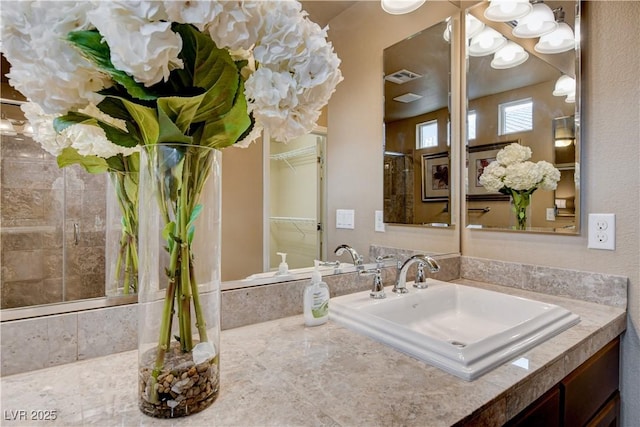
463, 330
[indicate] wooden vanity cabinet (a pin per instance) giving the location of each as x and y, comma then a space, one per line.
588, 396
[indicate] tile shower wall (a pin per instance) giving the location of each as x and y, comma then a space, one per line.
40, 204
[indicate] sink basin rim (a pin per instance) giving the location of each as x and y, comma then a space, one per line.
467, 362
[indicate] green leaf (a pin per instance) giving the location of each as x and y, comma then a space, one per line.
133, 162
115, 135
167, 234
191, 227
95, 50
145, 118
70, 119
92, 164
181, 110
131, 187
116, 163
209, 68
118, 136
169, 132
226, 130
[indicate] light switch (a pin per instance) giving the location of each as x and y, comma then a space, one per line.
345, 218
379, 222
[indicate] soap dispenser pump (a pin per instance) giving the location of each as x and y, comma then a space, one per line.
316, 299
283, 268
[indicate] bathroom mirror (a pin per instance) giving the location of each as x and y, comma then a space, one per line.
417, 145
523, 103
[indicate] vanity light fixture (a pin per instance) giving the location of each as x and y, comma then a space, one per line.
507, 10
473, 26
539, 22
486, 42
400, 7
558, 41
27, 129
566, 86
508, 56
6, 127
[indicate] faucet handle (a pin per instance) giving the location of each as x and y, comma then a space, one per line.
377, 291
421, 279
380, 259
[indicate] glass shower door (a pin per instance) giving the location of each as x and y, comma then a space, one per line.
52, 223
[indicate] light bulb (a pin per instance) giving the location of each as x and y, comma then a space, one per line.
511, 55
507, 10
558, 41
399, 7
564, 86
537, 23
486, 42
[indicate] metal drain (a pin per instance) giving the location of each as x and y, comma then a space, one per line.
457, 344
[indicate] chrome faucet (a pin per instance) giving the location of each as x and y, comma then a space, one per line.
377, 290
357, 259
401, 284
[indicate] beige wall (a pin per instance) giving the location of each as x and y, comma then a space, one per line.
611, 152
242, 211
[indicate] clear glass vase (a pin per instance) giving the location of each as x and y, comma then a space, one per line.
179, 281
521, 210
121, 239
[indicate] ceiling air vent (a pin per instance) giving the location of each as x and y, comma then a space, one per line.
402, 76
407, 97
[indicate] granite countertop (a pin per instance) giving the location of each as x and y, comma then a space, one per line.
282, 373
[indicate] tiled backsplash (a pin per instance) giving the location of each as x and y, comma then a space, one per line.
53, 340
600, 288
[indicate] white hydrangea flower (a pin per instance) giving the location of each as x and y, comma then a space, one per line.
492, 176
550, 175
291, 73
513, 153
271, 95
44, 67
198, 13
236, 26
43, 131
522, 176
147, 50
280, 36
89, 140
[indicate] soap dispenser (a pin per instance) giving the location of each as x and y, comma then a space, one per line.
316, 299
283, 268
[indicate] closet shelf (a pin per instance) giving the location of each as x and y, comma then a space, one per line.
292, 219
298, 152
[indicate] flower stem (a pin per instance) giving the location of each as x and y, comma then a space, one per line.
185, 257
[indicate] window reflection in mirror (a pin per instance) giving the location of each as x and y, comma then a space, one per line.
528, 104
417, 136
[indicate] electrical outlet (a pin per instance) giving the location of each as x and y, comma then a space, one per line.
602, 231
